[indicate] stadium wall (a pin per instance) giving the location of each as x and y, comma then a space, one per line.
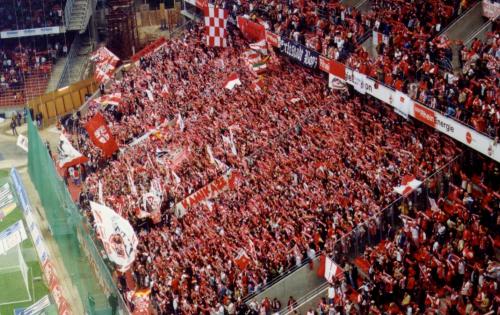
64, 100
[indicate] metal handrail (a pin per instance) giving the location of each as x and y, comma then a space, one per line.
459, 18
75, 46
305, 298
482, 28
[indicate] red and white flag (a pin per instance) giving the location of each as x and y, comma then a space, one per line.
232, 81
117, 235
109, 99
242, 260
408, 184
260, 47
329, 269
104, 56
105, 64
378, 38
100, 135
215, 26
68, 155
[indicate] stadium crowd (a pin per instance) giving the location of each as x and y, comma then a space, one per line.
469, 94
312, 165
305, 179
24, 58
412, 29
26, 14
442, 260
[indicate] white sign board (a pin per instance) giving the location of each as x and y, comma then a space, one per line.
12, 236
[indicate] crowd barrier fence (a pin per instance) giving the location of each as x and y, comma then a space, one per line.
88, 271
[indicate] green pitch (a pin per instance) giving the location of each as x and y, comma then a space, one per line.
12, 287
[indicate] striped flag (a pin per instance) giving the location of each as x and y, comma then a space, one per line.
260, 47
259, 67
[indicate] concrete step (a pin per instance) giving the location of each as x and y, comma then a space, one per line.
79, 15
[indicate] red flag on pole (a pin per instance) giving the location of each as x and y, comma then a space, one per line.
100, 135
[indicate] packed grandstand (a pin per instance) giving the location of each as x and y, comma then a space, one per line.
236, 159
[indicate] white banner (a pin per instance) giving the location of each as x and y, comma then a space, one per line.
332, 270
356, 79
401, 103
468, 136
6, 197
33, 32
37, 237
12, 236
117, 235
335, 83
68, 155
38, 307
379, 91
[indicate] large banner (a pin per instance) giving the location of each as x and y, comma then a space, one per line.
100, 135
251, 30
298, 52
491, 9
377, 90
33, 32
457, 131
117, 235
212, 190
154, 46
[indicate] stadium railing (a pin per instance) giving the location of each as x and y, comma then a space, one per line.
75, 46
